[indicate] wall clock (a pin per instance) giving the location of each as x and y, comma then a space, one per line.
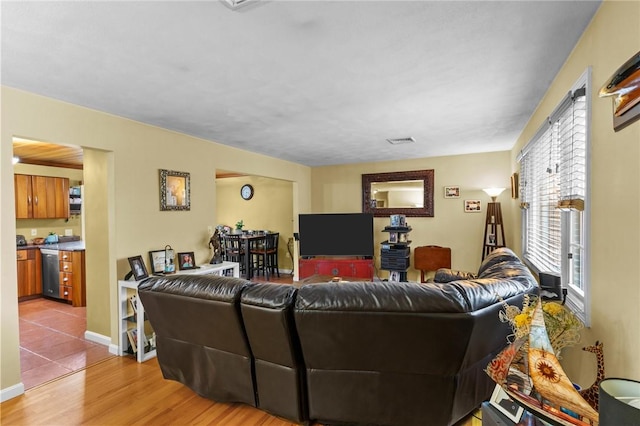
246, 192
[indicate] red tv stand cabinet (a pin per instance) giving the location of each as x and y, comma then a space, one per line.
337, 267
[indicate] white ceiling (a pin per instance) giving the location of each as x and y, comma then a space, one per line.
313, 82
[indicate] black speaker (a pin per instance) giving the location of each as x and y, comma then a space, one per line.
550, 286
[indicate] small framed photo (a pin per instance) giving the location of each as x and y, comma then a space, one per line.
398, 220
175, 190
137, 268
186, 260
506, 405
394, 276
157, 261
393, 237
159, 264
472, 206
451, 192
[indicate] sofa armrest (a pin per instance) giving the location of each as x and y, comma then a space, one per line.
445, 275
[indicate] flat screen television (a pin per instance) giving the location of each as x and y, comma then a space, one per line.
336, 234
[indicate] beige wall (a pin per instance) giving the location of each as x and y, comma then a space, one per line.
610, 40
270, 208
121, 181
44, 226
338, 189
123, 186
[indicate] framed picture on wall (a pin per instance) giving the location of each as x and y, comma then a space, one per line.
451, 192
472, 206
175, 190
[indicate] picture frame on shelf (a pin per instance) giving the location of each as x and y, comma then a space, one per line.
393, 237
472, 206
138, 269
397, 220
501, 401
394, 276
175, 190
186, 260
157, 261
451, 192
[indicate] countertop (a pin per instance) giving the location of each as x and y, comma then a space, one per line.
70, 246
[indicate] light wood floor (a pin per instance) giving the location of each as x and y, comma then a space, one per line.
120, 391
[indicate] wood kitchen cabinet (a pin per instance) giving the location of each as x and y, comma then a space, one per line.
41, 197
72, 277
29, 274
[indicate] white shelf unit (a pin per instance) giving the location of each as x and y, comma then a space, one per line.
128, 320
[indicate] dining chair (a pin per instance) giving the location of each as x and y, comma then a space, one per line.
266, 255
233, 250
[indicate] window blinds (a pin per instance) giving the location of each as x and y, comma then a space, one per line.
552, 178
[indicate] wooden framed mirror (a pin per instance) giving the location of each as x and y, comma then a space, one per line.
408, 193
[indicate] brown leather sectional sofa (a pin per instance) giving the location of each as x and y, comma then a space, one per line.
339, 353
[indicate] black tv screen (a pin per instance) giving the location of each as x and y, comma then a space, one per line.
336, 234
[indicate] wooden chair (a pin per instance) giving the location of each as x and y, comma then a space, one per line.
431, 258
266, 255
232, 248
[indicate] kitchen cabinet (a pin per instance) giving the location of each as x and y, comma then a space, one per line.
29, 274
41, 197
72, 277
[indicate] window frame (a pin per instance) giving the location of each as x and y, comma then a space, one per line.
577, 299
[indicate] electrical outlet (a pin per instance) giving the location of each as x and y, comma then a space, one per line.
34, 232
210, 229
287, 254
68, 232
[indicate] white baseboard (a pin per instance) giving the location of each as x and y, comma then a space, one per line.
97, 338
114, 349
11, 392
102, 340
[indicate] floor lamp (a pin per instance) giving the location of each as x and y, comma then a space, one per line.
493, 228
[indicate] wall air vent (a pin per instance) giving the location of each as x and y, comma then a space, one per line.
401, 141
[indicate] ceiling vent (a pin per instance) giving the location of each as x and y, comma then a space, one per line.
237, 4
401, 141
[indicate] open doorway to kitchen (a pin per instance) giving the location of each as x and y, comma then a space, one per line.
52, 329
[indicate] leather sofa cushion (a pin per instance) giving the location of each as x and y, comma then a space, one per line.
210, 287
454, 297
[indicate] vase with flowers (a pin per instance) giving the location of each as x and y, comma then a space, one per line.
563, 327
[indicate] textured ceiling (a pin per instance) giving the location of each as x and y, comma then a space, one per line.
316, 83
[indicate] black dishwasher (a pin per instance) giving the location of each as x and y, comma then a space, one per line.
50, 273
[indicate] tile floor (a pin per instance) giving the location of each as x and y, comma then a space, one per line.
52, 341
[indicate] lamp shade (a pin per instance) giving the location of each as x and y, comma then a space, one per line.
493, 192
619, 401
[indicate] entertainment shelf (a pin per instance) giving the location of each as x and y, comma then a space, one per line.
133, 325
395, 254
336, 266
